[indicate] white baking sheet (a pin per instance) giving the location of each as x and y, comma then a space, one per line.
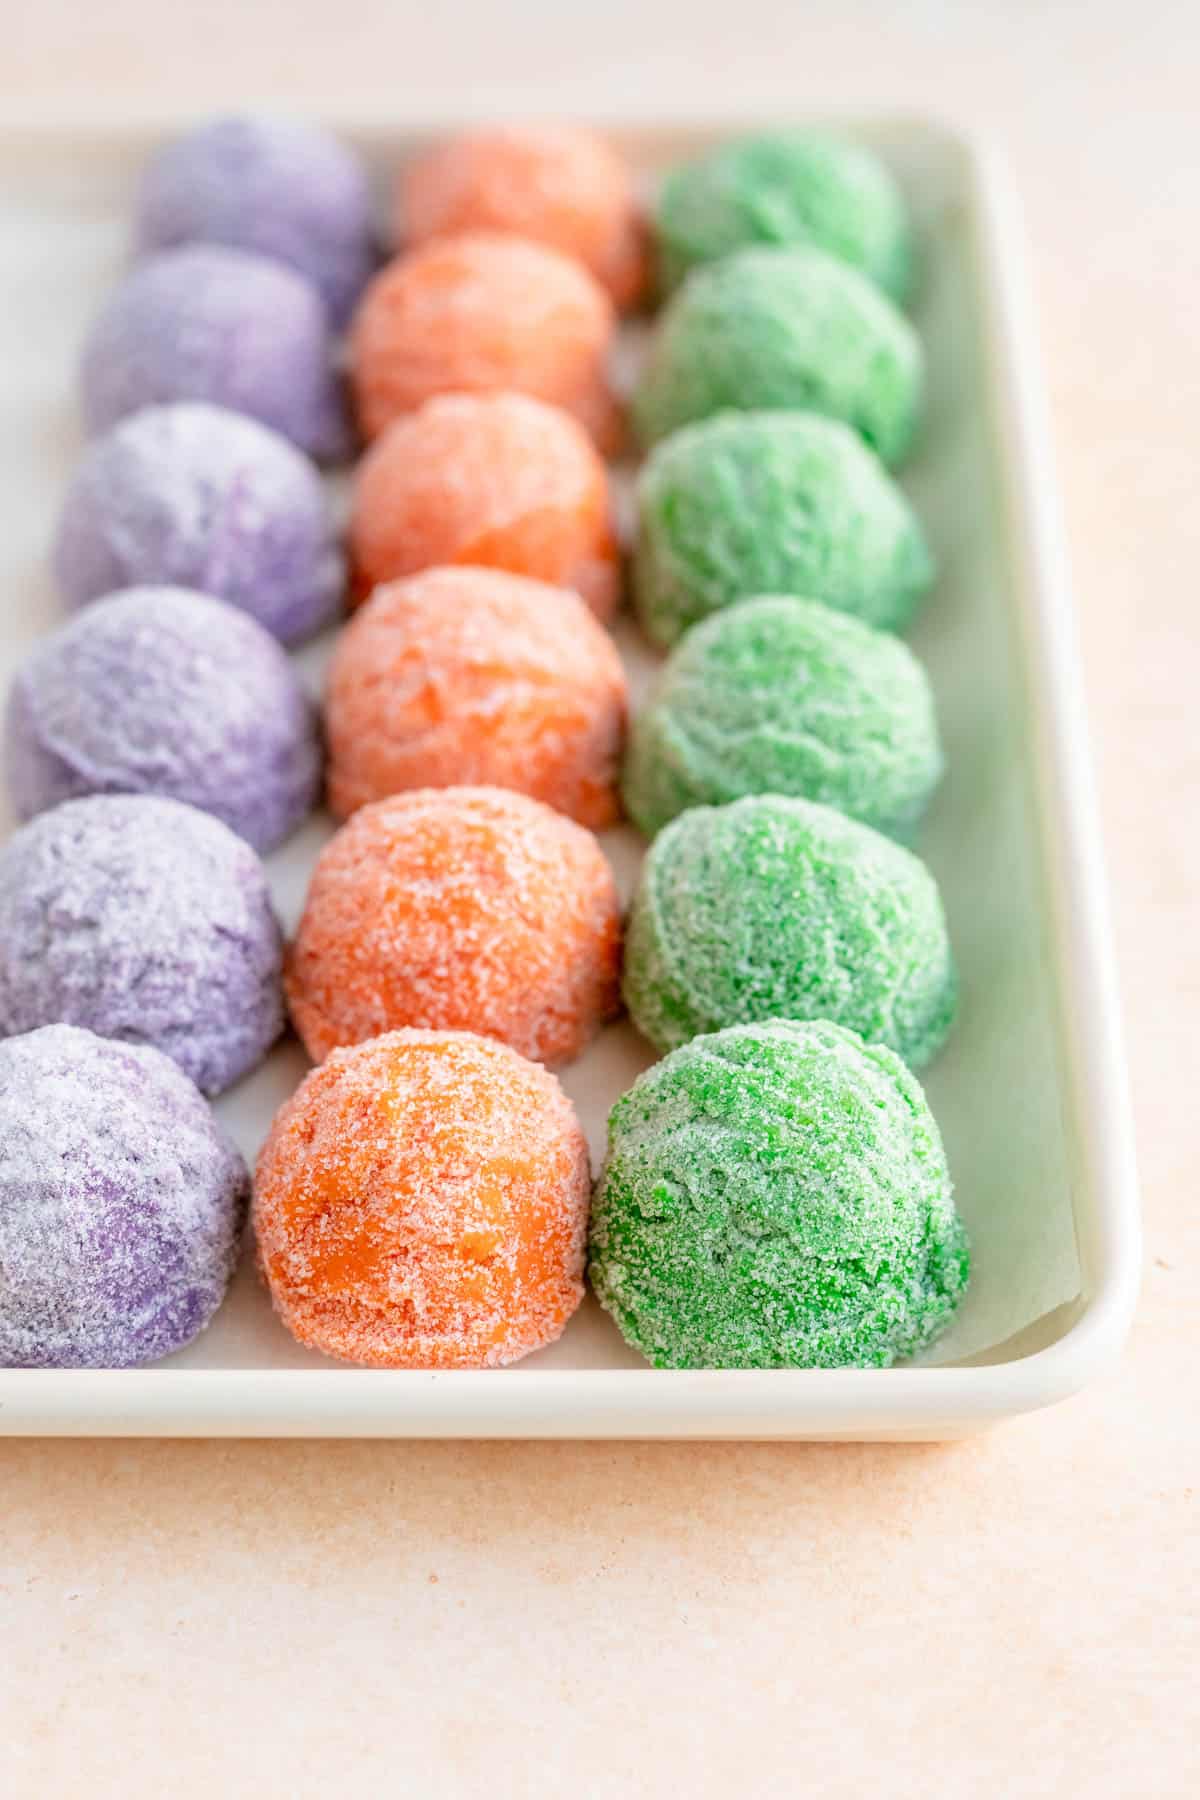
998, 1090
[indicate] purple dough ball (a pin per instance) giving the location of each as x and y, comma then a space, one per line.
196, 496
145, 920
277, 186
205, 323
159, 690
121, 1203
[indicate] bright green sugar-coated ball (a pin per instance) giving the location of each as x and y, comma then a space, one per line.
786, 187
776, 908
776, 1196
783, 330
773, 503
785, 696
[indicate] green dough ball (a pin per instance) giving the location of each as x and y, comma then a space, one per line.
776, 1196
773, 503
783, 329
786, 187
784, 696
774, 908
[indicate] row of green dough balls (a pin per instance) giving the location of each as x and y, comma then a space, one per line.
775, 1192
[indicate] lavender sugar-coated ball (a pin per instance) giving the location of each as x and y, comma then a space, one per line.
159, 690
121, 1203
274, 185
144, 920
197, 496
207, 323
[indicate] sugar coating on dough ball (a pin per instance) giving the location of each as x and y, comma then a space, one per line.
197, 496
501, 480
773, 503
786, 187
555, 184
278, 186
121, 1203
421, 1202
466, 677
159, 690
786, 696
776, 908
483, 313
459, 909
144, 920
224, 326
784, 330
777, 1196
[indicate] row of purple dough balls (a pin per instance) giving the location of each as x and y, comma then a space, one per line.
160, 739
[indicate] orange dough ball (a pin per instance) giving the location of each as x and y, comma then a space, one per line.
421, 1202
496, 479
458, 909
479, 314
554, 183
470, 677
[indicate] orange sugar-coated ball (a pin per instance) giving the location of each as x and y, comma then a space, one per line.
421, 1202
457, 909
557, 184
469, 677
497, 479
483, 313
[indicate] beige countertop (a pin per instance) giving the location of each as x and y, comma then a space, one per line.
1007, 1616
